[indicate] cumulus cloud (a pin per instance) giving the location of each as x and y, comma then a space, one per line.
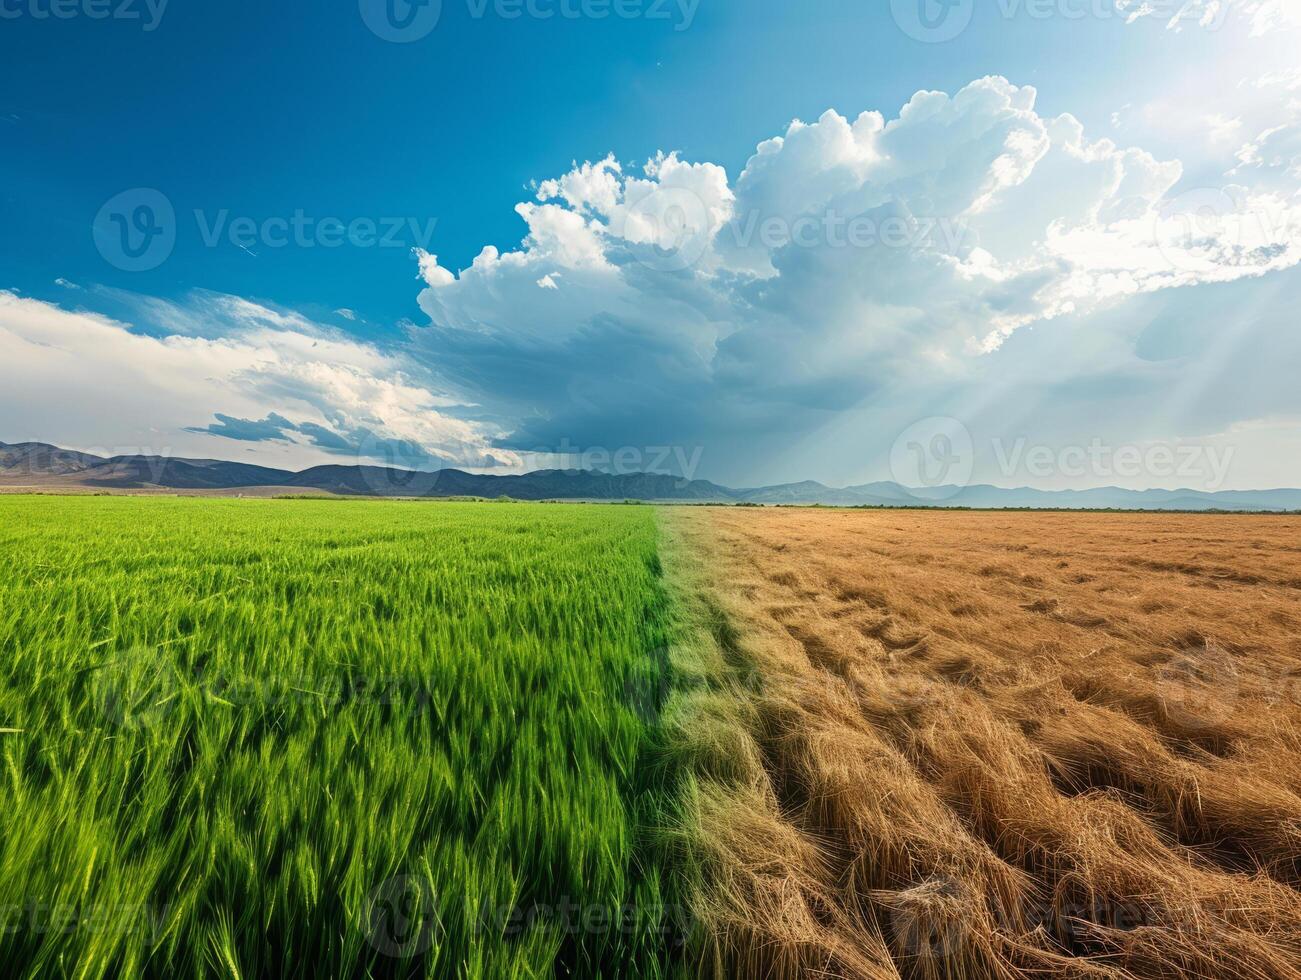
965, 256
301, 391
849, 257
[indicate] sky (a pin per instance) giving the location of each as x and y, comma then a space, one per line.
1023, 242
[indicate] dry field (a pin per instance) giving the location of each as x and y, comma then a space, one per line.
997, 744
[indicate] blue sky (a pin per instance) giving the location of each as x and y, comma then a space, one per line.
785, 365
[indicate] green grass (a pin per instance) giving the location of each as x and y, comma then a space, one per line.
330, 739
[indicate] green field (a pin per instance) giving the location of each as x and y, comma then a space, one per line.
331, 739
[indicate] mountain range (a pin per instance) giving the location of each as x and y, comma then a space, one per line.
38, 465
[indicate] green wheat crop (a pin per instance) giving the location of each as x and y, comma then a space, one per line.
329, 739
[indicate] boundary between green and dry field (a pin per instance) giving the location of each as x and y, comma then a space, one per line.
260, 736
723, 799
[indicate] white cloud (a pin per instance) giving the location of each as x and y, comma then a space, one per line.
89, 381
967, 256
847, 255
592, 185
1222, 129
1276, 151
430, 271
1261, 16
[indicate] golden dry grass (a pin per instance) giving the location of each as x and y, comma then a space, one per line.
996, 745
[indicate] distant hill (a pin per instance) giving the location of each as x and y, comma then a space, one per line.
37, 457
539, 485
34, 464
38, 464
980, 495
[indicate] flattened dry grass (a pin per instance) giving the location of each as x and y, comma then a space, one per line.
998, 745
